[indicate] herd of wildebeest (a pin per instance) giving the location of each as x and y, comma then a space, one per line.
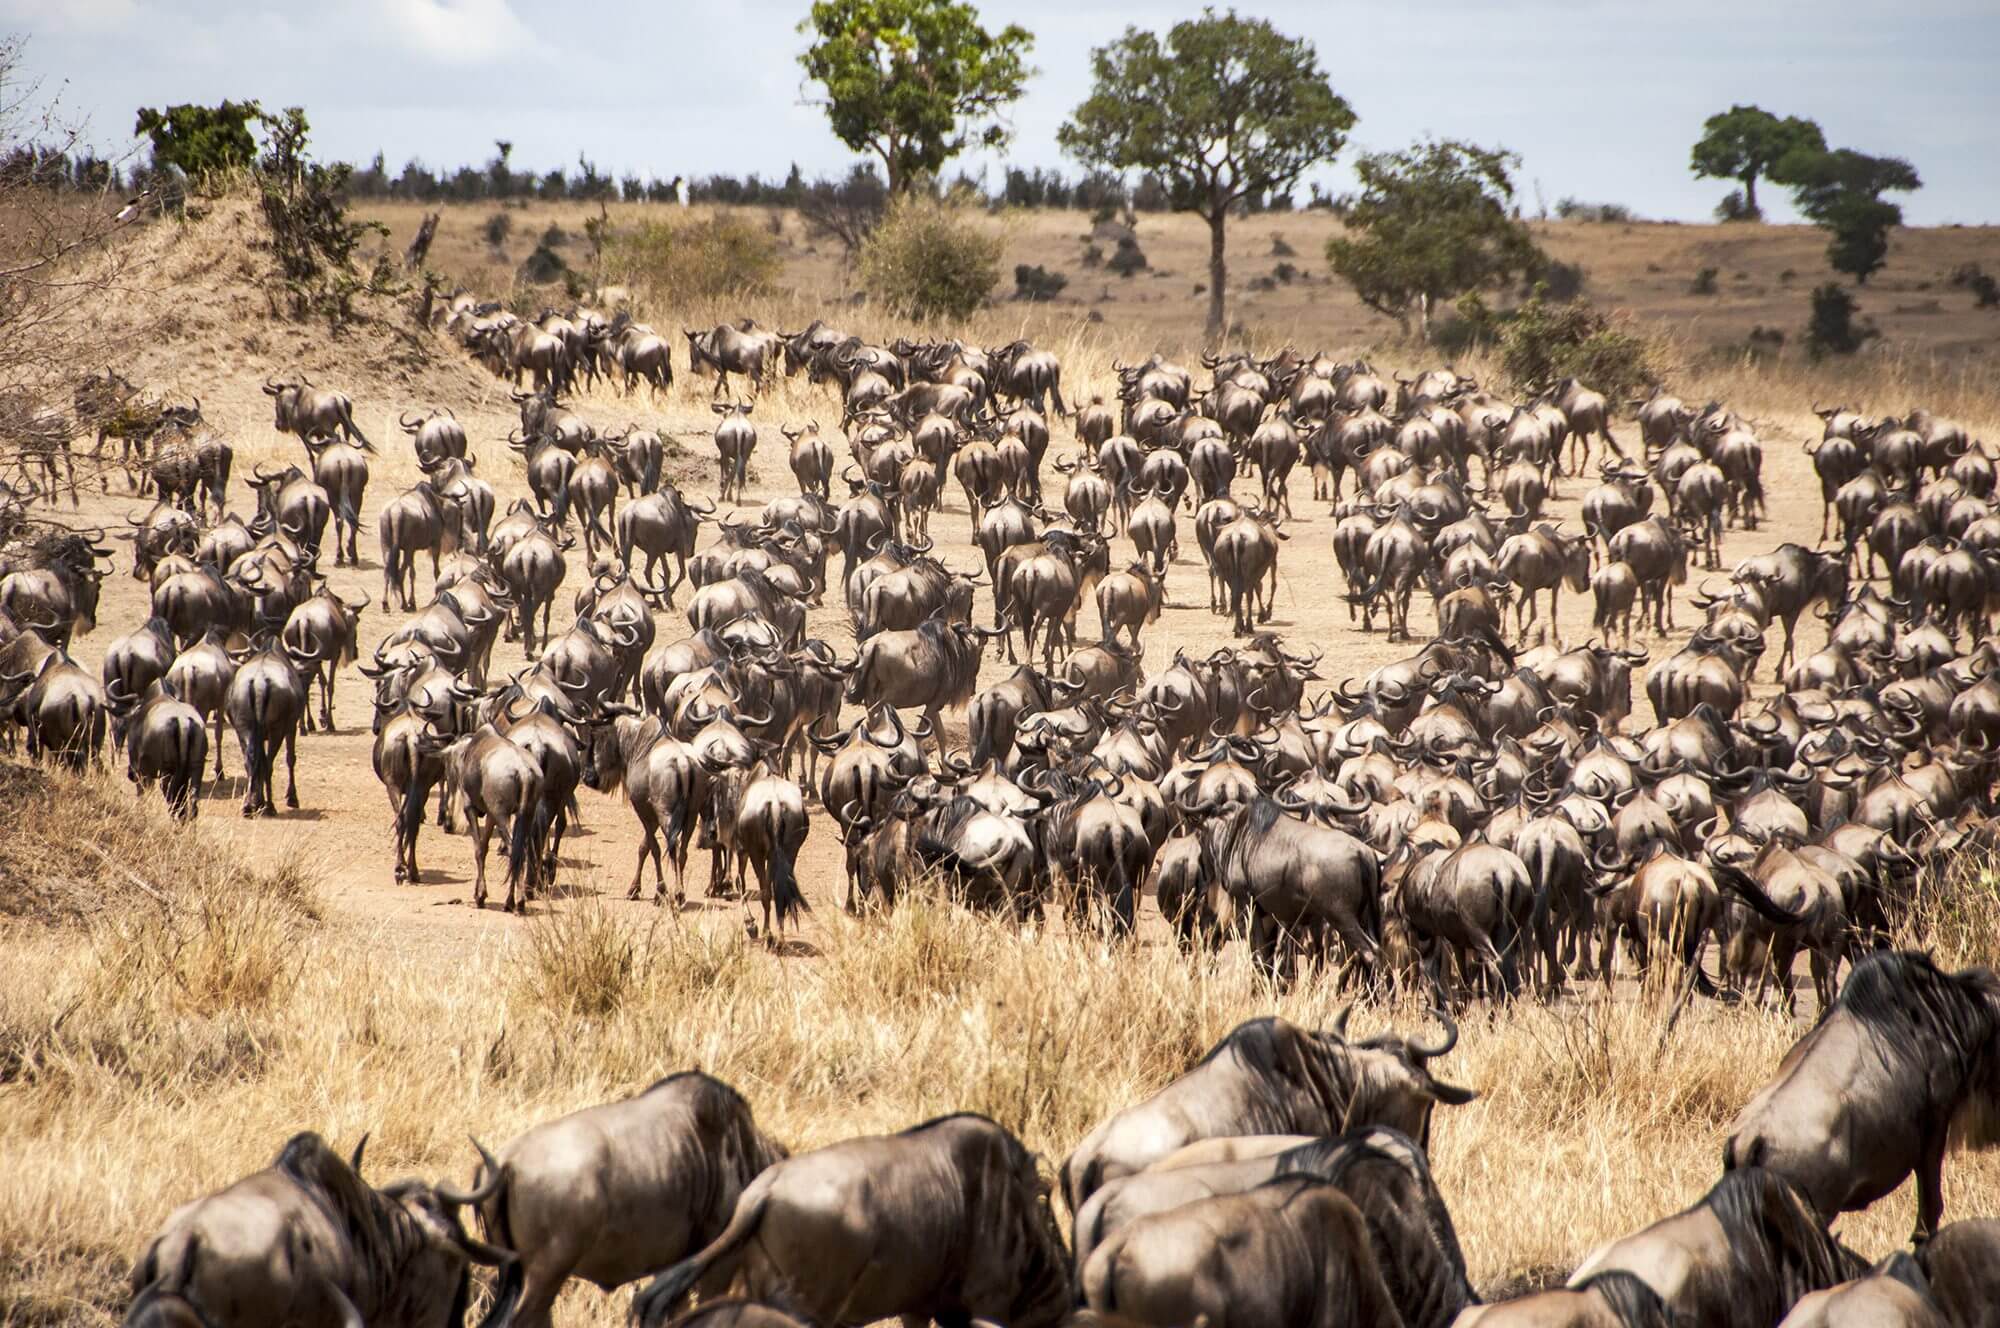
1481, 819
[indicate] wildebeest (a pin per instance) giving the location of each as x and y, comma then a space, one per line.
1739, 1258
946, 1221
613, 1192
1268, 1076
1298, 1256
1613, 1299
1895, 1294
1962, 1262
1380, 1169
1905, 1060
308, 1243
311, 412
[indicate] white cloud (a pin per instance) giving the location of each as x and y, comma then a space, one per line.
456, 32
78, 18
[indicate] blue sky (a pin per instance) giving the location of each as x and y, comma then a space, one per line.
1601, 99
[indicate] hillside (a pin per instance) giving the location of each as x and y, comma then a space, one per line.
1764, 274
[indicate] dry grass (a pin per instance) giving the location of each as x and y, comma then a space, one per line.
150, 1053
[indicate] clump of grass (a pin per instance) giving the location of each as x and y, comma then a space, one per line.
581, 962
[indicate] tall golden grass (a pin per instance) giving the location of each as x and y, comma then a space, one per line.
155, 1049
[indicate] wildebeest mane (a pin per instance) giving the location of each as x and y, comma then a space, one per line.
1913, 1008
1410, 1270
1018, 1228
1636, 1304
1297, 1062
382, 1235
1775, 1238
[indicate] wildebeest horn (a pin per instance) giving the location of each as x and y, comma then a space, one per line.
1339, 1028
496, 1176
1424, 1053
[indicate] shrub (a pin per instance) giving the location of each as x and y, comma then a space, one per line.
1575, 209
316, 245
1543, 341
555, 237
543, 266
675, 263
1286, 272
1037, 283
498, 227
1972, 277
1128, 259
1093, 256
1704, 282
1735, 207
1834, 328
929, 260
1562, 281
1280, 249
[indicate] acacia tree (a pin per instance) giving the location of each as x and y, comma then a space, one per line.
1224, 109
1841, 191
1744, 143
1431, 222
915, 82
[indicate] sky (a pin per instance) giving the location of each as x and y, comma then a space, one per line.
1601, 98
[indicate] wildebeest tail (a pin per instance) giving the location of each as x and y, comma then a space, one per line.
1746, 888
655, 1302
521, 845
786, 897
410, 816
347, 419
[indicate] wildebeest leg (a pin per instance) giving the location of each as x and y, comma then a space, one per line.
648, 844
482, 835
291, 770
1930, 1186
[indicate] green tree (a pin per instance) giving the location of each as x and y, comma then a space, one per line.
1744, 143
203, 142
915, 82
316, 246
1225, 108
1431, 222
1841, 191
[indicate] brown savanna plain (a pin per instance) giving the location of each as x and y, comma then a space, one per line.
174, 1017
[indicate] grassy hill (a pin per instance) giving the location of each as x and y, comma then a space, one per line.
1763, 275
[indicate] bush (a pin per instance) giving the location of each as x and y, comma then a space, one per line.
1037, 283
1575, 209
1128, 259
929, 260
1562, 281
1543, 341
1287, 273
555, 237
316, 245
675, 263
1834, 328
1704, 282
1972, 277
1092, 256
1280, 249
1735, 207
543, 266
498, 227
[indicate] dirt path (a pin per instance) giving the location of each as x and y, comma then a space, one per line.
344, 820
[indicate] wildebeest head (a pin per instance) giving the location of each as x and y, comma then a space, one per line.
1393, 1083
